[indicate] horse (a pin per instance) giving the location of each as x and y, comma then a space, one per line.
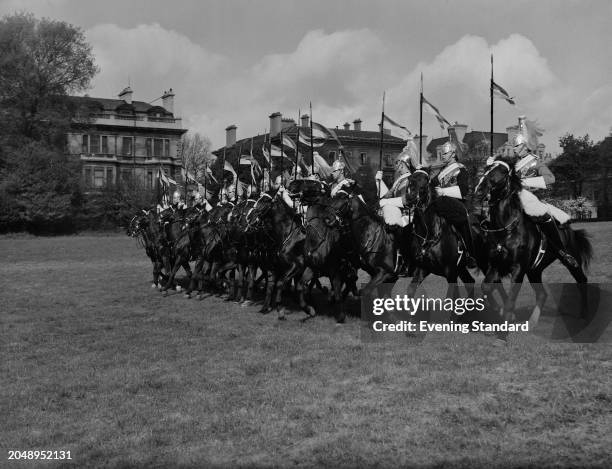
175, 246
436, 247
145, 227
374, 247
281, 243
516, 246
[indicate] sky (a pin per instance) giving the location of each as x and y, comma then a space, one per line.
238, 61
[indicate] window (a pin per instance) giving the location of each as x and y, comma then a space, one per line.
85, 144
331, 155
126, 146
104, 146
94, 144
109, 176
363, 157
150, 180
126, 175
388, 160
87, 175
98, 177
159, 147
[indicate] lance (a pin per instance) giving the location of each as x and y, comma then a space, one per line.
281, 155
380, 155
421, 122
297, 144
491, 96
312, 168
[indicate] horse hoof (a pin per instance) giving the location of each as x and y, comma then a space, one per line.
311, 312
187, 296
246, 303
281, 314
265, 310
154, 285
178, 288
500, 343
165, 293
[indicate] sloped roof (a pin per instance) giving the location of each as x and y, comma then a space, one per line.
112, 104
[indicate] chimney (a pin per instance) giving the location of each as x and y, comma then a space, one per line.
306, 121
230, 135
275, 124
460, 130
357, 124
347, 126
287, 123
168, 101
126, 95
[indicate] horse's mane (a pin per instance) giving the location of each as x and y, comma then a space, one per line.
356, 191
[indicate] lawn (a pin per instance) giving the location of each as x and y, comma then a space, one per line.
95, 362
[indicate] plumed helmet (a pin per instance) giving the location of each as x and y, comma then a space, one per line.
338, 165
449, 149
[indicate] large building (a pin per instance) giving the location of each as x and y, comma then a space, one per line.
122, 140
361, 147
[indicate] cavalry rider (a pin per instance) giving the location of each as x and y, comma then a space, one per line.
392, 202
229, 191
452, 186
536, 175
339, 180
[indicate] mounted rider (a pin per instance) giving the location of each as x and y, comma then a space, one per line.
452, 186
339, 179
229, 192
535, 175
392, 201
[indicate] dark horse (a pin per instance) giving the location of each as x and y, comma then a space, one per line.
436, 247
516, 246
281, 244
375, 248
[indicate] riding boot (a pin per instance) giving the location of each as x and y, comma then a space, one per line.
466, 233
548, 225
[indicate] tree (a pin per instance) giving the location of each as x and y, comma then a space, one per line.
195, 155
579, 159
42, 62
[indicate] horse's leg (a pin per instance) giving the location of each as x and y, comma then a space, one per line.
252, 270
282, 283
518, 273
303, 285
175, 267
535, 279
491, 284
266, 308
194, 280
336, 281
581, 281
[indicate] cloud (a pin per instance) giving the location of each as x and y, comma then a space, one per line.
344, 74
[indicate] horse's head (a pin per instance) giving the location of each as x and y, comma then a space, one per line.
499, 180
259, 210
418, 192
137, 224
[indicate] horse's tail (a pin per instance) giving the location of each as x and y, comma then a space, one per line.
581, 247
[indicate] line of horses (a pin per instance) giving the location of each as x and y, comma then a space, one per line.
235, 246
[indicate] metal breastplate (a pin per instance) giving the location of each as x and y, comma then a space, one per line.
448, 176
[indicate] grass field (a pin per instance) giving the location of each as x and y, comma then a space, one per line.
95, 362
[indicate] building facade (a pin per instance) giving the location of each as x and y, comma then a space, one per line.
125, 141
361, 147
